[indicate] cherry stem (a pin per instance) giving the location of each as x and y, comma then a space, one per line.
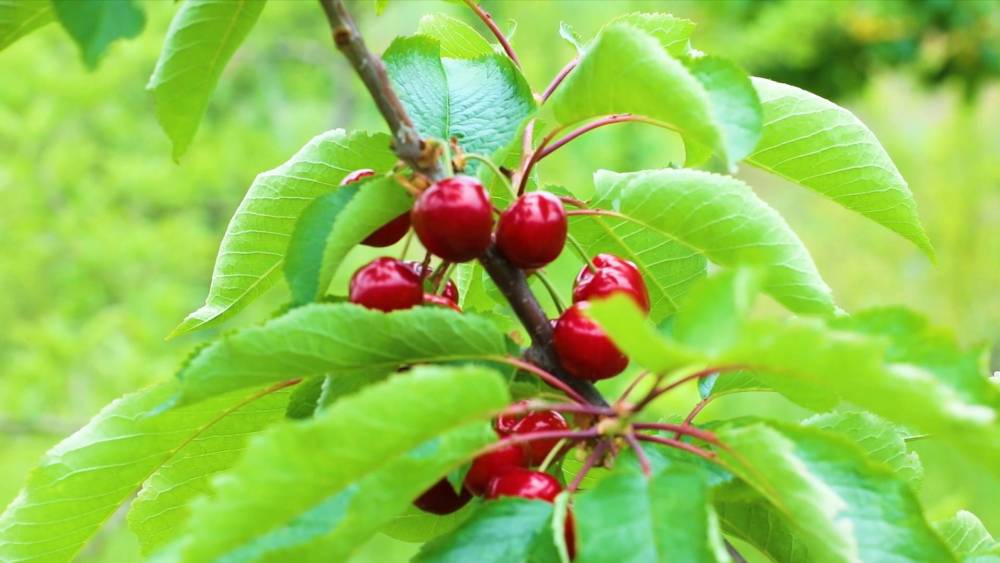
557, 80
640, 454
553, 454
572, 201
694, 412
406, 244
631, 386
531, 157
605, 212
614, 118
578, 248
488, 20
679, 429
532, 406
556, 300
496, 171
543, 375
595, 456
654, 393
440, 275
710, 456
574, 435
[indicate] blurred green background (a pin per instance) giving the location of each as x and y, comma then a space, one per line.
106, 243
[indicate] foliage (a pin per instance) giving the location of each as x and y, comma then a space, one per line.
360, 444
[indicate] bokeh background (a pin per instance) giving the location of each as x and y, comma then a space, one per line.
106, 244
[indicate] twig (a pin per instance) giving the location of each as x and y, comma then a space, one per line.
639, 453
559, 78
595, 456
694, 412
705, 454
654, 393
488, 20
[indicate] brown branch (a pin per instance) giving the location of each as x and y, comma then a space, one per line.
422, 157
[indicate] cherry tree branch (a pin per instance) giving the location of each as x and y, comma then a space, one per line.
423, 157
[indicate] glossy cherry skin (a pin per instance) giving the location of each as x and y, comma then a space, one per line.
454, 219
524, 483
540, 421
441, 301
442, 499
386, 284
388, 234
491, 465
612, 274
450, 289
584, 349
532, 231
505, 423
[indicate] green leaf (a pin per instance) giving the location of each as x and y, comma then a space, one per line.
19, 18
305, 399
480, 102
668, 517
83, 480
762, 526
567, 32
673, 33
253, 249
416, 526
202, 38
723, 219
95, 25
458, 39
626, 70
161, 507
966, 534
881, 441
713, 314
822, 146
331, 226
380, 6
843, 507
735, 105
336, 339
339, 477
507, 530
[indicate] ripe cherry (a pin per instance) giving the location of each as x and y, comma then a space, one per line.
532, 231
386, 284
454, 218
540, 421
450, 289
441, 301
442, 498
504, 424
524, 483
388, 234
493, 464
584, 349
611, 274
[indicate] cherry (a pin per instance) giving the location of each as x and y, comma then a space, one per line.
493, 464
524, 483
450, 289
454, 218
442, 499
504, 424
532, 231
611, 274
540, 421
388, 234
386, 284
441, 301
583, 348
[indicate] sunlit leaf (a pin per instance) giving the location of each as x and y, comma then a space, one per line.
458, 39
735, 104
673, 33
416, 526
202, 38
968, 537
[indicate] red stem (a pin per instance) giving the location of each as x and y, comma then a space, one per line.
694, 412
654, 393
595, 456
677, 444
559, 78
639, 453
604, 212
572, 201
544, 375
532, 406
488, 20
679, 429
533, 156
615, 118
575, 435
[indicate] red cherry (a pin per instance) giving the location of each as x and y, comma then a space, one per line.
386, 284
583, 348
524, 483
442, 499
493, 464
504, 424
540, 421
388, 234
454, 219
611, 274
450, 289
532, 231
569, 532
440, 301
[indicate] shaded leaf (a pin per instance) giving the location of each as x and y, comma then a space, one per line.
305, 398
822, 146
202, 38
416, 526
507, 530
880, 440
458, 39
336, 339
95, 25
19, 18
253, 249
735, 105
329, 480
760, 525
84, 479
714, 312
